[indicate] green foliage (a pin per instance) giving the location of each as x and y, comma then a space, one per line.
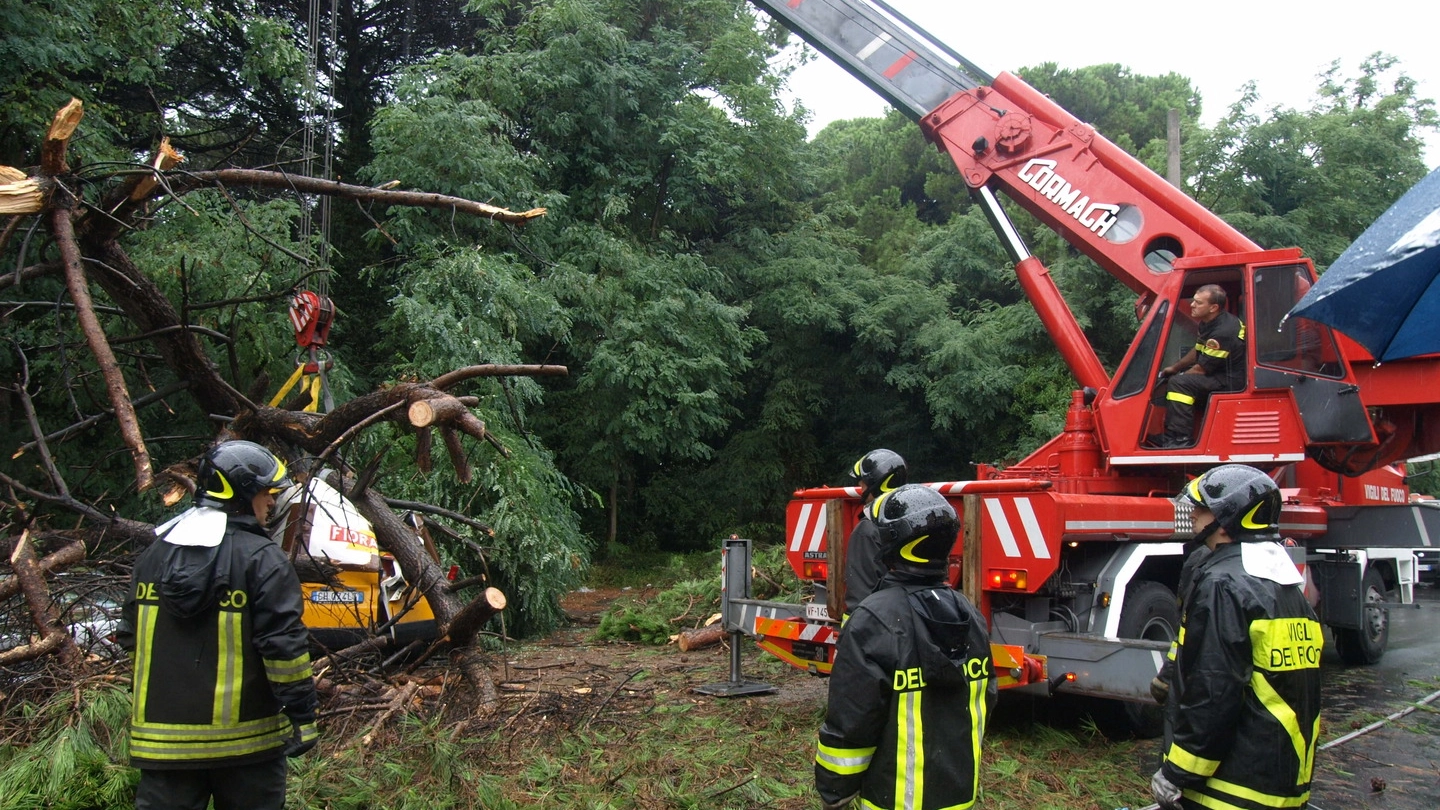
424, 768
74, 755
686, 604
1317, 178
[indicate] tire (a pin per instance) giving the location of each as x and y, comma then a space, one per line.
1366, 645
1151, 613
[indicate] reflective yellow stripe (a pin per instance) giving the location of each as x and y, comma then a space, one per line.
179, 750
144, 641
1276, 705
1180, 639
1176, 396
1175, 646
190, 731
1240, 792
979, 715
1189, 762
844, 761
1203, 349
296, 669
909, 751
229, 668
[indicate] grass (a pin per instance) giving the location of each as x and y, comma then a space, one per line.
655, 744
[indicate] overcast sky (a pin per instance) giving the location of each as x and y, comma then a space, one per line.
1218, 44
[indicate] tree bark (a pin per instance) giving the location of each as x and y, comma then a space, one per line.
700, 637
37, 597
64, 558
62, 229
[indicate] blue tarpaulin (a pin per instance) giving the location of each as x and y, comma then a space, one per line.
1382, 291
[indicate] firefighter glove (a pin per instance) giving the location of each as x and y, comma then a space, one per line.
303, 732
840, 805
1160, 690
1165, 793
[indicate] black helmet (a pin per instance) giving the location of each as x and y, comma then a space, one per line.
233, 473
1244, 501
917, 526
879, 471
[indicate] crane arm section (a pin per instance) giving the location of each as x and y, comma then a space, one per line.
1004, 134
884, 52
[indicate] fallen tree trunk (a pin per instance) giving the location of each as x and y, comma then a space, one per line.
700, 637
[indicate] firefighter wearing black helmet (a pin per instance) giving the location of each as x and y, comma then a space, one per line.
222, 689
877, 472
1243, 714
912, 682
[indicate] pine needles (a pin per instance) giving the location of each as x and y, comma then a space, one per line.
75, 757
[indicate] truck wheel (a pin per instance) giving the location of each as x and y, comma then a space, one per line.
1366, 645
1150, 613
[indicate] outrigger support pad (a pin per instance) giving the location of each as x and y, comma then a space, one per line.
735, 582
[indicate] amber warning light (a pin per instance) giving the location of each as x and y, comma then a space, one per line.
1007, 578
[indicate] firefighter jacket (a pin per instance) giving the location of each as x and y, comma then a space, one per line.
863, 568
219, 649
1243, 715
909, 693
1220, 350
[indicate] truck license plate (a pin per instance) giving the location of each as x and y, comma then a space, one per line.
815, 610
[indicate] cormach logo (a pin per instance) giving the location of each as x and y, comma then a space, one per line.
1097, 217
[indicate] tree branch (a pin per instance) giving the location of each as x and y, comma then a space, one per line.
315, 185
63, 230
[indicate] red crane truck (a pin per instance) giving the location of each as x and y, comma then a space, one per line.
1074, 553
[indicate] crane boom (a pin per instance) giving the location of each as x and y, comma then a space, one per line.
882, 48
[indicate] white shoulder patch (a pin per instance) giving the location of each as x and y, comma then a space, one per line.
1270, 561
197, 526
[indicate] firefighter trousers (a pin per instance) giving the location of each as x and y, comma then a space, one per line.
1184, 394
256, 786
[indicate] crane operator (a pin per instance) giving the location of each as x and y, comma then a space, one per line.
1215, 363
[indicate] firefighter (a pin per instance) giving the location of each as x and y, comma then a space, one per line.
877, 472
222, 688
1216, 363
912, 682
1243, 714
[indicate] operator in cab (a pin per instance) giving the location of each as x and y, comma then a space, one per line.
877, 472
1243, 714
913, 681
1216, 363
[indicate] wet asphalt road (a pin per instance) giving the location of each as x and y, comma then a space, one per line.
1397, 766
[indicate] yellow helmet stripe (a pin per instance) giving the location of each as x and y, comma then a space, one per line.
226, 491
885, 485
908, 548
279, 470
1194, 488
1248, 521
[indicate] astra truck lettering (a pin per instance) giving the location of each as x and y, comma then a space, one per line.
1040, 175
